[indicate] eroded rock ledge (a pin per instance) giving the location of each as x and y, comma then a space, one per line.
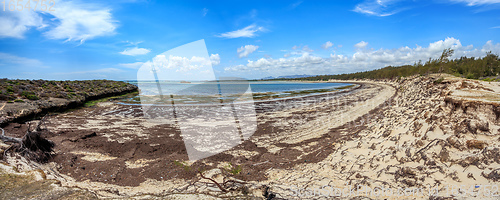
21, 100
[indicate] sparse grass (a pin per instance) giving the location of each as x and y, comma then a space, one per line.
183, 165
95, 102
234, 169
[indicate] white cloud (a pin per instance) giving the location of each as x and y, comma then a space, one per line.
69, 21
135, 51
384, 8
294, 5
215, 59
244, 51
361, 60
6, 58
15, 23
249, 31
80, 22
361, 45
135, 65
477, 2
178, 63
204, 12
327, 45
279, 65
307, 49
380, 8
129, 43
437, 47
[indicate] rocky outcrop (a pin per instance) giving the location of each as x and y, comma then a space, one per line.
27, 99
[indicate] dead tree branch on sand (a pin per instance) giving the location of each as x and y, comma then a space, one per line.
226, 186
32, 145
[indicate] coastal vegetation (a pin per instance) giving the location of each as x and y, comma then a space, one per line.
486, 68
11, 90
23, 100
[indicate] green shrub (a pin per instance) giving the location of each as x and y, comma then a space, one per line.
470, 76
30, 95
18, 100
440, 80
234, 169
10, 89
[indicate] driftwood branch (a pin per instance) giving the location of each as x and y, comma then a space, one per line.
5, 138
427, 146
224, 187
218, 185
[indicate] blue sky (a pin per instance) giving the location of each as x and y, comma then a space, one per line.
249, 39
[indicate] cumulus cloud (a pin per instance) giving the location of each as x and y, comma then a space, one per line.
361, 45
270, 63
244, 51
80, 22
361, 59
327, 45
249, 31
307, 49
70, 21
215, 59
135, 51
179, 63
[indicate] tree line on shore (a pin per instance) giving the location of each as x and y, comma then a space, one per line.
486, 68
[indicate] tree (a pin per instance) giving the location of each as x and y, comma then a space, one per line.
444, 58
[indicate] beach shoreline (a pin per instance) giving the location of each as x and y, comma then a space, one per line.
367, 135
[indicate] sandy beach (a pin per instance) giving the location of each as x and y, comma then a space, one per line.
419, 133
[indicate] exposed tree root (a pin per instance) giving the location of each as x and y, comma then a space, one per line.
32, 145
